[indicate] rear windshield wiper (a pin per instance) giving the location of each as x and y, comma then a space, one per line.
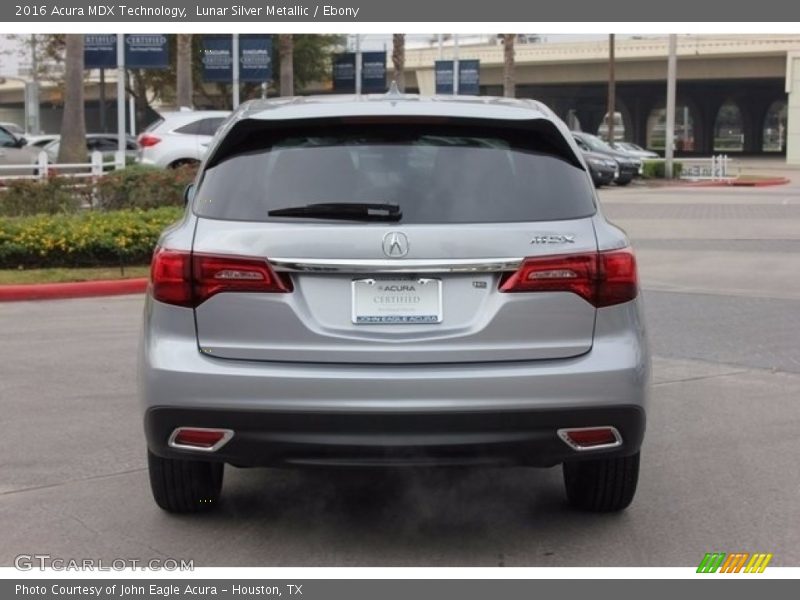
349, 211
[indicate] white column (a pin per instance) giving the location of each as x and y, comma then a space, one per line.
793, 112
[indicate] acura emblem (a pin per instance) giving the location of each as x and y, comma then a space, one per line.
395, 244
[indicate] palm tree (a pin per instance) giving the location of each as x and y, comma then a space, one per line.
399, 60
509, 84
73, 123
183, 72
286, 50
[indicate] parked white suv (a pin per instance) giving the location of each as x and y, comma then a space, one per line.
179, 138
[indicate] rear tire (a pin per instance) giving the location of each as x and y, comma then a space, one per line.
184, 486
602, 485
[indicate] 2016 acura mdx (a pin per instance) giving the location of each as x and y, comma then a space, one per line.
393, 280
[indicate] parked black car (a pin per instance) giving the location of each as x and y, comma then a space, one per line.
603, 169
629, 166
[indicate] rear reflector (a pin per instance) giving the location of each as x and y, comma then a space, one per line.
600, 278
199, 438
185, 279
146, 140
591, 438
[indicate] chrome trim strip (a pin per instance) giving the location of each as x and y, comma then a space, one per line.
227, 435
562, 433
368, 265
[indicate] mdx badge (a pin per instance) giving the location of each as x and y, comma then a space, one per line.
553, 238
395, 244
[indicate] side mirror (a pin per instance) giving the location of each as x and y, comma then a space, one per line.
21, 141
188, 194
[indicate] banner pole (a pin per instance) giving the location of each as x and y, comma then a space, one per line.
235, 66
120, 96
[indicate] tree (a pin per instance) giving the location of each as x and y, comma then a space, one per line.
399, 60
509, 83
184, 93
73, 123
286, 52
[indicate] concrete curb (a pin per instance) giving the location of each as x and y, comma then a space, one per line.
745, 183
78, 289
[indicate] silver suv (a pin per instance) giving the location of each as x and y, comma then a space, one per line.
393, 280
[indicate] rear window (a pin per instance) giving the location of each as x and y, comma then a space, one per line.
434, 173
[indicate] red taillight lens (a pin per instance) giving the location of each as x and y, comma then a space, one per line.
617, 280
147, 140
171, 277
215, 274
600, 278
186, 279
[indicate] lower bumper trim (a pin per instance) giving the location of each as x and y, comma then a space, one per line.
267, 438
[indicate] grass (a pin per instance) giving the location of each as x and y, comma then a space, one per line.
62, 275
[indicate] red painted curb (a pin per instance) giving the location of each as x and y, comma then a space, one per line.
77, 289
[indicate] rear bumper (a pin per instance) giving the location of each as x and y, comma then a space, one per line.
335, 413
364, 439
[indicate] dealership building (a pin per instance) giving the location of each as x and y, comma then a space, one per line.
736, 94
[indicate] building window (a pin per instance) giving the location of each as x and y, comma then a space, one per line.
684, 129
774, 132
729, 128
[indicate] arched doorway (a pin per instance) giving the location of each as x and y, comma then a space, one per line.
684, 128
774, 129
729, 128
623, 125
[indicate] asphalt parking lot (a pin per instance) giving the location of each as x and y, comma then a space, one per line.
721, 273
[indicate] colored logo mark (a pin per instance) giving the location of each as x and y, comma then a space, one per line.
738, 562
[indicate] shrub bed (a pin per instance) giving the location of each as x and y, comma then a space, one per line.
655, 169
136, 186
85, 239
54, 195
139, 186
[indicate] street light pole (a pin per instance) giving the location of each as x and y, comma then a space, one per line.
612, 89
32, 121
670, 126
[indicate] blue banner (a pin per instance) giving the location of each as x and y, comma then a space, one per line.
216, 58
373, 72
469, 72
255, 58
100, 51
146, 51
344, 73
443, 70
469, 77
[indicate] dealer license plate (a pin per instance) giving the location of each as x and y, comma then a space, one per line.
399, 301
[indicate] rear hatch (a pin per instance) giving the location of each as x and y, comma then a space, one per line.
393, 243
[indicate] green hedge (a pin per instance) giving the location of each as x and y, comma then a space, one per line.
655, 169
143, 187
85, 239
21, 197
136, 186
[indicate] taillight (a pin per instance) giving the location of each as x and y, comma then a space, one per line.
186, 279
600, 278
147, 140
